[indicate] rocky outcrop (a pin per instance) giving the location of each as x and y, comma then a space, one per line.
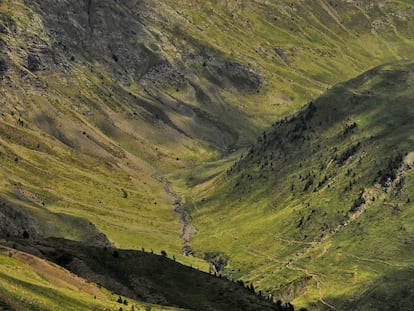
98, 31
16, 223
33, 62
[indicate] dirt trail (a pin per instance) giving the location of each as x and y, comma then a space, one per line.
186, 228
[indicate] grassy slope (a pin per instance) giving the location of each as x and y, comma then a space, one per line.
148, 277
58, 164
298, 47
30, 283
285, 213
87, 140
103, 143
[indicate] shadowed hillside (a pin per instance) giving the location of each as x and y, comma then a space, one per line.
30, 283
144, 276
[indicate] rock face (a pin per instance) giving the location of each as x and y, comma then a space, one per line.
3, 58
3, 67
119, 35
15, 223
19, 223
33, 62
239, 75
101, 31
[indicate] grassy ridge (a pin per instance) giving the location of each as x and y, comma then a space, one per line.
30, 283
321, 202
148, 277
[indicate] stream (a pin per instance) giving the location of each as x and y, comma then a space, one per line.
186, 228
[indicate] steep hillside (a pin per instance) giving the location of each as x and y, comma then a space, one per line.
319, 209
138, 275
30, 283
201, 66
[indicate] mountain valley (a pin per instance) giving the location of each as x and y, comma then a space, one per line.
267, 142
